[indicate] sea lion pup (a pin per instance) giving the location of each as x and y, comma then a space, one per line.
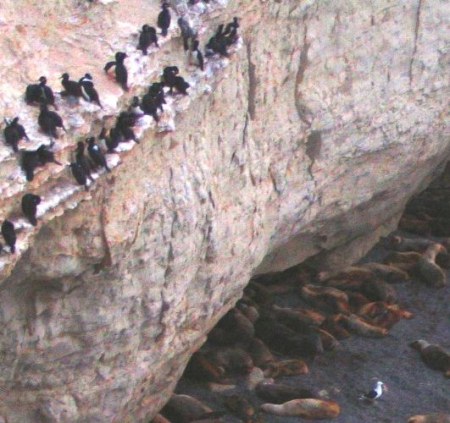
361, 327
378, 290
202, 369
329, 342
302, 316
240, 407
9, 235
29, 207
308, 408
334, 325
430, 272
260, 352
14, 132
248, 310
184, 409
387, 273
278, 393
434, 356
233, 328
294, 367
233, 359
120, 71
430, 418
328, 298
38, 93
259, 293
285, 340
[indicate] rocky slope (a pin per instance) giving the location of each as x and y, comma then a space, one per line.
307, 142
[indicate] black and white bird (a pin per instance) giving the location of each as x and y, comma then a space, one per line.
88, 91
374, 393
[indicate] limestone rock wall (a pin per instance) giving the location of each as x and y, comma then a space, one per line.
324, 123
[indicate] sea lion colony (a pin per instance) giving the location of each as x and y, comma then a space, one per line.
260, 341
152, 103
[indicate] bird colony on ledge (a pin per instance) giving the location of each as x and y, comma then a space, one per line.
47, 123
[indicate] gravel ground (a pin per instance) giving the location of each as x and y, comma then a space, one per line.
353, 367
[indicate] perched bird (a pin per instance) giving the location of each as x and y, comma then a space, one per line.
196, 56
88, 91
29, 207
374, 393
168, 77
96, 154
156, 90
49, 121
124, 123
111, 141
9, 234
81, 160
121, 72
71, 88
149, 106
147, 37
181, 85
35, 158
135, 108
187, 33
14, 132
38, 93
78, 174
164, 19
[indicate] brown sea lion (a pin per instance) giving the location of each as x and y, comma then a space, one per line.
361, 327
293, 367
184, 409
202, 369
255, 377
404, 261
403, 244
378, 290
240, 407
234, 360
277, 393
350, 273
308, 408
328, 298
249, 311
434, 356
357, 300
334, 325
387, 273
233, 328
260, 352
429, 271
300, 315
382, 314
430, 418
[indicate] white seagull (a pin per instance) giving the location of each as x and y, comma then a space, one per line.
374, 393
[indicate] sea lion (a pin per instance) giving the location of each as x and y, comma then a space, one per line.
382, 314
430, 272
308, 408
387, 273
430, 418
363, 328
293, 367
249, 311
357, 300
350, 273
184, 409
403, 244
260, 352
378, 290
202, 369
302, 317
233, 328
333, 325
328, 298
240, 407
403, 261
255, 377
434, 356
278, 393
233, 359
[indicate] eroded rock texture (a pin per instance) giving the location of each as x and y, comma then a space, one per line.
324, 123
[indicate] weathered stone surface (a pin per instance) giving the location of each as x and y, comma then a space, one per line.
326, 121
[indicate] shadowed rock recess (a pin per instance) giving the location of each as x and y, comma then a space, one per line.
307, 141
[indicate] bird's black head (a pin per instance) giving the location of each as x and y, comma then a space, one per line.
65, 76
120, 56
43, 80
88, 76
90, 140
145, 28
15, 121
165, 5
135, 101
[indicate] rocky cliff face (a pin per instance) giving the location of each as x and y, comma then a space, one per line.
307, 142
